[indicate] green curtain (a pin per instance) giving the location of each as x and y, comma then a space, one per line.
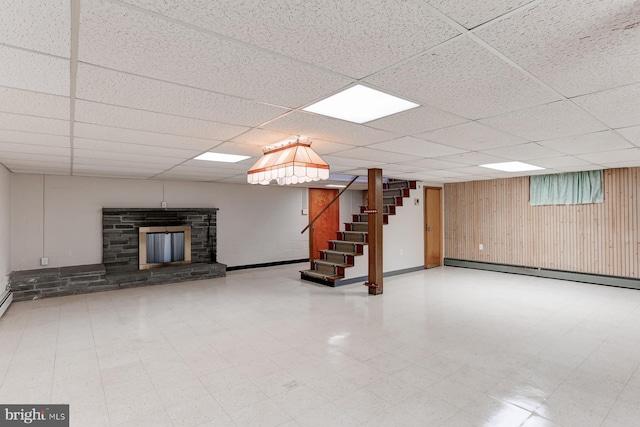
572, 188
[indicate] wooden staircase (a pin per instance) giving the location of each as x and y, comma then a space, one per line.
330, 268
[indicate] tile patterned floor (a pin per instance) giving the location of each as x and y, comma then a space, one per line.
442, 347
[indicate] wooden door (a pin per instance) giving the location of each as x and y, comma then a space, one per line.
432, 227
326, 227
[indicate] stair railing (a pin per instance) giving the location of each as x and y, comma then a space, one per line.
310, 227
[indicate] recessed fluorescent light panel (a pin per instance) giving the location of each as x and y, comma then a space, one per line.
335, 186
360, 104
512, 167
219, 157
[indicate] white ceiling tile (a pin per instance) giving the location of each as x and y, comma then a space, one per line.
92, 157
472, 136
328, 129
37, 72
590, 143
42, 168
116, 88
20, 137
615, 156
475, 170
240, 149
472, 14
587, 167
126, 39
416, 147
109, 115
524, 152
417, 120
374, 155
220, 167
261, 137
561, 162
99, 171
354, 38
577, 47
472, 159
125, 149
447, 173
35, 149
37, 25
432, 164
401, 168
626, 164
555, 120
617, 108
133, 136
463, 78
212, 171
339, 162
19, 122
631, 133
34, 103
33, 158
86, 163
327, 147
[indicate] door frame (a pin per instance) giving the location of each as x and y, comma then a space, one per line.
424, 220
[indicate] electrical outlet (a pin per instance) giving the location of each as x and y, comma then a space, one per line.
305, 212
44, 261
481, 247
163, 205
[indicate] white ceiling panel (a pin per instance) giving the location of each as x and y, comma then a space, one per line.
37, 72
125, 39
124, 149
416, 147
41, 168
328, 34
374, 155
261, 137
555, 120
589, 167
472, 14
523, 152
399, 168
220, 167
561, 162
632, 134
43, 26
417, 120
463, 78
432, 164
472, 159
340, 162
449, 173
34, 138
472, 136
104, 157
590, 143
109, 115
19, 122
328, 147
108, 133
34, 103
34, 149
240, 149
617, 108
577, 47
614, 156
31, 158
114, 172
124, 165
328, 129
127, 90
212, 171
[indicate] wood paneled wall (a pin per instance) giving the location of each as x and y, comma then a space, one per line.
596, 238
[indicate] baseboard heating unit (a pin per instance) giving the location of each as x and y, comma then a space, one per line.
5, 301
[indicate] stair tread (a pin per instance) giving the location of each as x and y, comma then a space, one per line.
347, 241
330, 277
335, 264
331, 251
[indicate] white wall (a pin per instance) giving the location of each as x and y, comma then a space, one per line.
403, 238
5, 224
60, 217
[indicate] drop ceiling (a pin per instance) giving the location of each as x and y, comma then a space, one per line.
138, 88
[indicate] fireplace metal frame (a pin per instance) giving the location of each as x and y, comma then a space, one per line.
142, 245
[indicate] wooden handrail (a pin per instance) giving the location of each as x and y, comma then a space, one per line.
330, 203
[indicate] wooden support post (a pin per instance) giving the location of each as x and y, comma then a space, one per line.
374, 210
